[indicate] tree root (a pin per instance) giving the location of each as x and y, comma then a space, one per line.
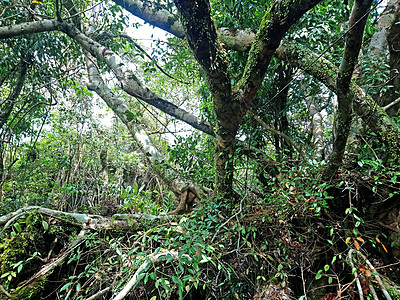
186, 202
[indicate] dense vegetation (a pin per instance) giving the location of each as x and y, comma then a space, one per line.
253, 152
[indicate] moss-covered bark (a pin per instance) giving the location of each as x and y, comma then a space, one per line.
229, 106
23, 249
358, 19
365, 107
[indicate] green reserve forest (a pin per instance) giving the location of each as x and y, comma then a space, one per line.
200, 149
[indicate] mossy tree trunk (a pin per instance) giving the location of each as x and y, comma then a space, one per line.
358, 19
232, 103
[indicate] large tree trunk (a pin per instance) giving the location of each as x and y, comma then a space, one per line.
230, 105
389, 34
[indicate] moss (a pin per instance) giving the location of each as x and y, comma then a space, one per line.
394, 293
29, 291
22, 243
13, 252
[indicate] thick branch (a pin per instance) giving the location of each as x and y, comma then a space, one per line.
129, 82
202, 37
95, 221
97, 84
358, 19
276, 22
181, 187
154, 15
27, 28
152, 259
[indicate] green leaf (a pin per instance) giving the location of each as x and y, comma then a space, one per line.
65, 286
18, 227
178, 281
45, 225
318, 275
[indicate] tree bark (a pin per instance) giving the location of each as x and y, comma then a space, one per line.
186, 191
230, 106
129, 82
358, 19
317, 131
392, 32
365, 107
154, 15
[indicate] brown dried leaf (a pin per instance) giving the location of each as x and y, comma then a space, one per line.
360, 239
357, 245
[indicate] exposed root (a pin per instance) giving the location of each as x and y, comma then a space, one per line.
187, 199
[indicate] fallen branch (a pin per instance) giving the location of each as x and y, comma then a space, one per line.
99, 293
153, 258
376, 275
94, 221
48, 268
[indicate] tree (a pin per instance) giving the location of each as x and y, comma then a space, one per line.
256, 71
210, 54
